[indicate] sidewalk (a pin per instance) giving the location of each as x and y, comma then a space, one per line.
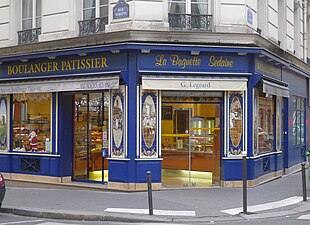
186, 205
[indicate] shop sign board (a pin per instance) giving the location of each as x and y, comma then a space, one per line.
60, 85
73, 64
192, 84
202, 62
267, 69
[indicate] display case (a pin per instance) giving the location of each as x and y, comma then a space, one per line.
203, 142
80, 140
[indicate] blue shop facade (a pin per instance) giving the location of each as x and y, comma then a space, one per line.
188, 114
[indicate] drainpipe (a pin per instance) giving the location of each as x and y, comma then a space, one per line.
304, 9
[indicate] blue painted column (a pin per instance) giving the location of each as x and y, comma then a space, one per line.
123, 170
253, 80
132, 132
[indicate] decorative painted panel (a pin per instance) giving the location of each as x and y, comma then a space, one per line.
149, 118
118, 123
236, 120
3, 123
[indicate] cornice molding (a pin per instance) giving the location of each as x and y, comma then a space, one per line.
213, 39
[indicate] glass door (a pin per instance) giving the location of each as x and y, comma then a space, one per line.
190, 139
90, 136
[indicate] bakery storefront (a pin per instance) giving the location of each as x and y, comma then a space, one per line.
191, 119
54, 111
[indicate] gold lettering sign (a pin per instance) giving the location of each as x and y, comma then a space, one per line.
177, 61
195, 61
66, 65
220, 62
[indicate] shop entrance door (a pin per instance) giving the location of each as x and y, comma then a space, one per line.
190, 142
90, 136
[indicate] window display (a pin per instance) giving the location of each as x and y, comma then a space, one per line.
265, 117
32, 122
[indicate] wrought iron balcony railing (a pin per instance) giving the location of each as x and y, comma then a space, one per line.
190, 22
92, 26
28, 36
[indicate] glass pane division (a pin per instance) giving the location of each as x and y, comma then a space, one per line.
90, 136
190, 141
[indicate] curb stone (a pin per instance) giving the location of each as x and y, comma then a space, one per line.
86, 216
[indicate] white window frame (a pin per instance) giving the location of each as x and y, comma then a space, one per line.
34, 15
97, 10
188, 5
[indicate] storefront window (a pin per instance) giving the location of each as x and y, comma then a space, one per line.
264, 121
3, 123
298, 120
32, 122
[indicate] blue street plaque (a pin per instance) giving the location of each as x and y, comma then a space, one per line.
250, 16
121, 10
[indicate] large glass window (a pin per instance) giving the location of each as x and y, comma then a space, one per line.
31, 14
298, 120
264, 121
95, 9
32, 122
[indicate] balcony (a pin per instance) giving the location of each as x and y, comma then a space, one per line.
92, 26
190, 22
28, 36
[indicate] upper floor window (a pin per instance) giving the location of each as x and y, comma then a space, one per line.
298, 120
189, 6
95, 9
95, 17
31, 21
31, 14
190, 15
